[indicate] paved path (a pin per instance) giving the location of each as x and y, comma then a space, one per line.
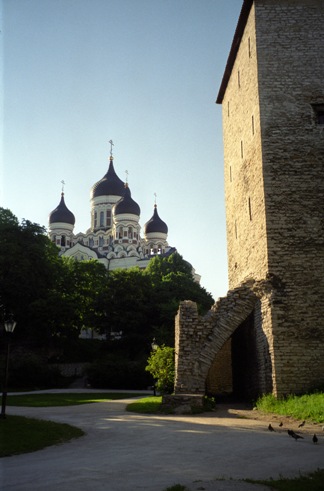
124, 451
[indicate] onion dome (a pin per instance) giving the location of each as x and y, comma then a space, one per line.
127, 205
155, 224
62, 214
109, 185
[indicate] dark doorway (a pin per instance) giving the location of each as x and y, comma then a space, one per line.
244, 361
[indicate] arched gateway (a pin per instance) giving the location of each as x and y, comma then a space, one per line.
231, 338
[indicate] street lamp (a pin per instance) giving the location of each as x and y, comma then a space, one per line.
10, 325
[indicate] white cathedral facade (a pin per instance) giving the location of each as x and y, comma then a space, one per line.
114, 237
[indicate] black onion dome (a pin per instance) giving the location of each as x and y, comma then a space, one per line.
62, 213
155, 224
110, 184
127, 204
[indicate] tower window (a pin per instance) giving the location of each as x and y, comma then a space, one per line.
250, 209
130, 232
319, 113
108, 218
101, 219
63, 240
95, 220
252, 125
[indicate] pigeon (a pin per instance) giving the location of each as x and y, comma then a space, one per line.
301, 424
270, 427
294, 435
315, 439
280, 424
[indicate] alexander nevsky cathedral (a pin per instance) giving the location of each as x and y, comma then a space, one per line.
114, 237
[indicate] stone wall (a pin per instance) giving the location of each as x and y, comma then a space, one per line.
203, 342
274, 181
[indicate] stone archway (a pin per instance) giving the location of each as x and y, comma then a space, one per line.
200, 339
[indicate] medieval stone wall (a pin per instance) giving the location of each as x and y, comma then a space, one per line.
274, 179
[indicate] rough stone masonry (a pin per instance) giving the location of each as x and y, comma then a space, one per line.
271, 324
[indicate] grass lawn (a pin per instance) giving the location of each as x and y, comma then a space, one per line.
309, 406
64, 399
311, 482
146, 405
20, 435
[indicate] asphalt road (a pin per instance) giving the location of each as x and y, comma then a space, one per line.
124, 451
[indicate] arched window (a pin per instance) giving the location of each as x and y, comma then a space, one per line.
91, 242
108, 218
101, 241
130, 232
102, 217
95, 220
63, 241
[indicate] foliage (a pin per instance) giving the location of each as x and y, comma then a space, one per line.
114, 372
309, 482
53, 298
308, 406
31, 371
146, 405
160, 364
64, 399
20, 435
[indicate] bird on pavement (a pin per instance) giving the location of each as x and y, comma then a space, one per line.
301, 424
294, 435
315, 439
270, 427
280, 424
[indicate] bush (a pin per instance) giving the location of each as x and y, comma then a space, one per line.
160, 364
31, 371
116, 373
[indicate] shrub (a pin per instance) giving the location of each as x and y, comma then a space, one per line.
160, 364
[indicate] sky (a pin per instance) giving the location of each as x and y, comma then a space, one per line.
143, 73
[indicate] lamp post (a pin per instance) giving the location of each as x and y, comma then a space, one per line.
10, 325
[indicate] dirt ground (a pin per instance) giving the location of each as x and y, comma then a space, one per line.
275, 420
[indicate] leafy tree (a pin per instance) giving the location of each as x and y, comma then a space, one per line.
173, 282
160, 364
29, 271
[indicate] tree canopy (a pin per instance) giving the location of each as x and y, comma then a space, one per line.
53, 297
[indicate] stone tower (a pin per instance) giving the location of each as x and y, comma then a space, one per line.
267, 334
272, 97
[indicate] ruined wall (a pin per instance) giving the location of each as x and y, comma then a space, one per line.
203, 342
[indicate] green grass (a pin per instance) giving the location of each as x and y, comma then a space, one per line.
309, 407
20, 435
310, 482
61, 399
147, 405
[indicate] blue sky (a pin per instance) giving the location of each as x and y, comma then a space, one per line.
144, 73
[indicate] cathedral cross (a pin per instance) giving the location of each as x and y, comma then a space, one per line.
111, 145
63, 184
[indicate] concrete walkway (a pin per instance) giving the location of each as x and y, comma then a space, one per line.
124, 451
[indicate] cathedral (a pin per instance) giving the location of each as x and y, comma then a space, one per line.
114, 237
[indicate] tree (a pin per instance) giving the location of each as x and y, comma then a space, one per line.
29, 271
173, 282
160, 364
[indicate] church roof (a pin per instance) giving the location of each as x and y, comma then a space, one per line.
155, 224
62, 213
109, 185
126, 204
